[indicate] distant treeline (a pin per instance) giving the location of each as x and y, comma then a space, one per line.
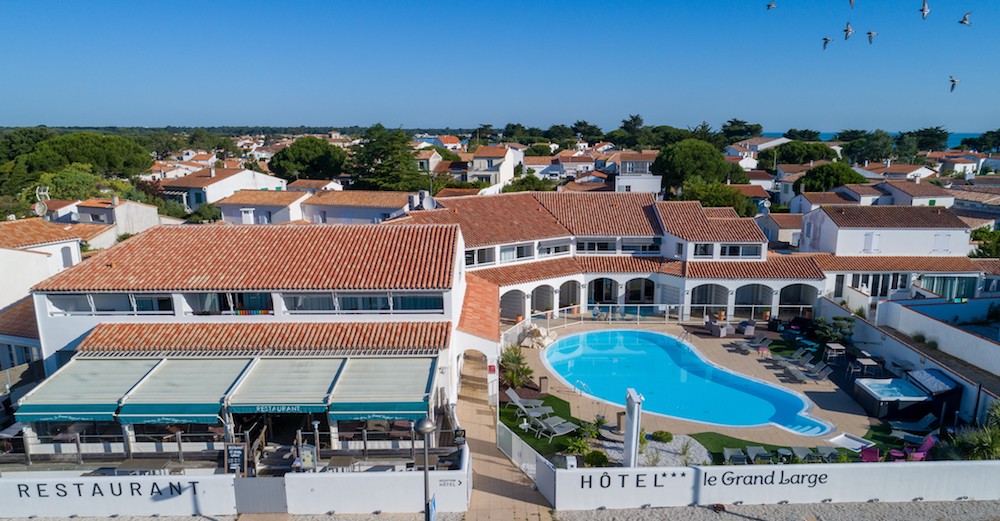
240, 131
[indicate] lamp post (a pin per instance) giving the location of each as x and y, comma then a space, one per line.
426, 426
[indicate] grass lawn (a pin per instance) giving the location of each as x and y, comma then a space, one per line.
508, 415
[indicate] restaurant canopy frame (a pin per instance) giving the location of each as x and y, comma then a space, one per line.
182, 391
286, 386
383, 389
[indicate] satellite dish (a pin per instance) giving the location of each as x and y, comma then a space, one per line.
40, 208
767, 204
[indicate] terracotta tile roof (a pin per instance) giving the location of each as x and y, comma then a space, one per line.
18, 319
918, 189
977, 197
23, 233
58, 204
530, 271
96, 203
88, 231
264, 198
985, 189
360, 198
900, 264
792, 168
201, 157
791, 178
457, 192
490, 151
201, 178
988, 266
752, 191
787, 221
687, 220
894, 168
828, 198
539, 160
576, 159
315, 184
976, 222
720, 212
523, 219
628, 264
641, 156
249, 258
733, 159
893, 217
341, 338
426, 154
864, 190
776, 266
602, 214
760, 140
481, 308
449, 140
595, 173
574, 186
759, 175
466, 156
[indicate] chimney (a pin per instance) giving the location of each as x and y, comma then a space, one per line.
211, 172
414, 201
810, 163
916, 180
114, 201
888, 162
866, 163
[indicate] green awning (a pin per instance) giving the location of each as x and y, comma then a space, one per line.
83, 390
182, 391
286, 386
383, 389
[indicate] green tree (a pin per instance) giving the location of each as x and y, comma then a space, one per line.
665, 135
109, 155
795, 152
988, 243
447, 155
987, 142
906, 148
694, 157
704, 132
383, 161
737, 130
558, 133
161, 143
827, 177
877, 146
513, 131
74, 182
587, 131
308, 158
207, 212
929, 138
850, 135
717, 194
538, 149
19, 141
530, 183
802, 134
485, 132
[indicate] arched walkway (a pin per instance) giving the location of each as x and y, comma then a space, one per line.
753, 301
542, 299
569, 294
640, 291
602, 291
708, 299
512, 305
796, 300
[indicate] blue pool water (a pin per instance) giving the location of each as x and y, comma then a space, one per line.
675, 381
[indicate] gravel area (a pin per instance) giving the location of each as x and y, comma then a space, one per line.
951, 511
657, 454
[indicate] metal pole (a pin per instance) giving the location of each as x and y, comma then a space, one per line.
427, 479
316, 435
180, 448
79, 451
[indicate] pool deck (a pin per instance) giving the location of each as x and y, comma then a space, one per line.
832, 404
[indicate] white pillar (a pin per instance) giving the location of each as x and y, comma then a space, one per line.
775, 303
730, 304
527, 306
621, 293
583, 298
555, 303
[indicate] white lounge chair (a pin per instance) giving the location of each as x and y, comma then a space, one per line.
552, 426
734, 456
524, 402
758, 454
920, 426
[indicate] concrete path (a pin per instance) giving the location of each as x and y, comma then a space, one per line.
499, 489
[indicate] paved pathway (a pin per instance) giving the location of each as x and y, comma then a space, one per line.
500, 490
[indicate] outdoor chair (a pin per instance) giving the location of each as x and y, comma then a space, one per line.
516, 399
759, 454
534, 412
820, 375
828, 454
734, 456
754, 342
798, 374
921, 450
785, 360
920, 426
913, 439
871, 455
806, 455
552, 426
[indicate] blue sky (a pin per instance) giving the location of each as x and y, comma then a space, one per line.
459, 64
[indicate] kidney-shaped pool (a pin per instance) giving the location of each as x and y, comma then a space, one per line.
675, 381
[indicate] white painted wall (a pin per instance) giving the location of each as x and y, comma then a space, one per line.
819, 233
233, 213
245, 180
638, 183
21, 270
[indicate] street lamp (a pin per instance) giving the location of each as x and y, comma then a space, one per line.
426, 426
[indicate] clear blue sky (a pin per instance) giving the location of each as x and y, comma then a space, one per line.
459, 64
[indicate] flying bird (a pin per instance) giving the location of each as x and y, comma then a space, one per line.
954, 83
852, 4
826, 41
848, 31
965, 19
924, 11
771, 5
871, 36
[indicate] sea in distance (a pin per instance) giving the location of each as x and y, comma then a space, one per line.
954, 140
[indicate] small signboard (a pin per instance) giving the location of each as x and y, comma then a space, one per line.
236, 459
308, 455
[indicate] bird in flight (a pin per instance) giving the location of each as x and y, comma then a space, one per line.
852, 4
848, 31
965, 19
954, 83
826, 41
924, 11
771, 5
871, 36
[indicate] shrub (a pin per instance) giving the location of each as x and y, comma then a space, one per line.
588, 430
662, 436
919, 338
514, 371
860, 312
643, 440
596, 458
578, 445
932, 344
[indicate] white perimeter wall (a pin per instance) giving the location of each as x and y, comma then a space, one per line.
588, 489
123, 496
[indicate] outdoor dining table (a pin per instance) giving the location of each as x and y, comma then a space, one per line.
341, 463
142, 467
835, 352
869, 367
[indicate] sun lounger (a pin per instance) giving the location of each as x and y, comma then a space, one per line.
828, 454
798, 375
759, 454
516, 399
734, 456
761, 338
534, 412
821, 375
806, 455
552, 426
789, 359
920, 426
920, 453
915, 439
850, 442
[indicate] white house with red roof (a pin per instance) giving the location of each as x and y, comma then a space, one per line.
890, 170
427, 160
494, 165
208, 185
263, 207
32, 250
449, 142
355, 206
546, 167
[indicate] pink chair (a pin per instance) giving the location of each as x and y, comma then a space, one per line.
920, 453
871, 454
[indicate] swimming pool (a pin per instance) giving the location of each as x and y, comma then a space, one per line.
675, 381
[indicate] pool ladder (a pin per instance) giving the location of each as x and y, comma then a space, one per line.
582, 387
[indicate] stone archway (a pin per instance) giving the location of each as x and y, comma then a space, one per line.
708, 299
640, 291
543, 299
512, 305
753, 301
602, 291
796, 300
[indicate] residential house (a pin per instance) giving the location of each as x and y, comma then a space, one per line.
267, 152
809, 201
648, 183
448, 142
99, 222
761, 143
314, 185
32, 250
637, 163
756, 194
890, 170
262, 207
782, 228
494, 165
745, 162
602, 147
761, 178
865, 195
203, 158
458, 170
915, 193
576, 165
20, 351
163, 170
355, 206
208, 185
786, 176
60, 210
546, 167
427, 160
